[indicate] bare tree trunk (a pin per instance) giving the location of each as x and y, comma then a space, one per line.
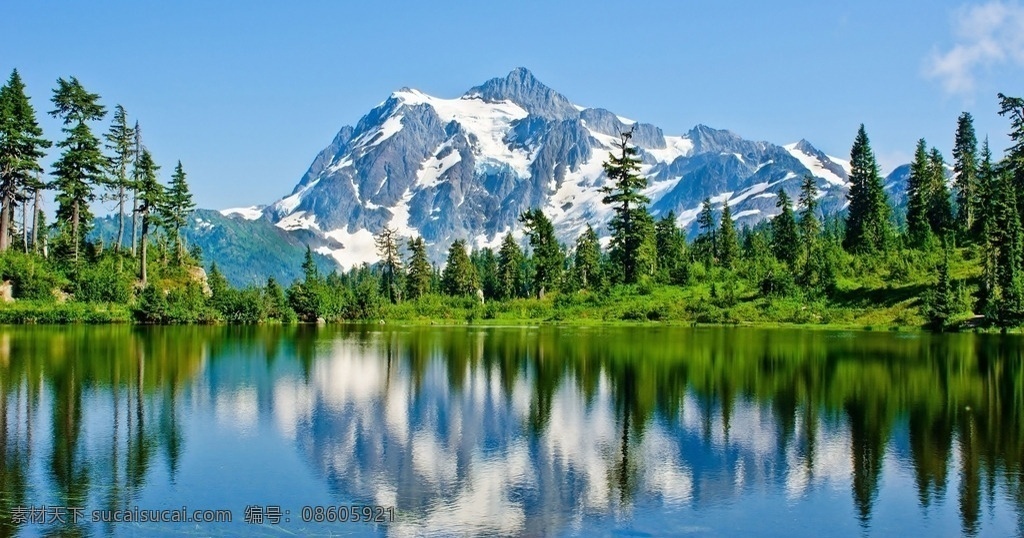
142, 248
5, 221
35, 221
135, 220
74, 228
120, 217
24, 224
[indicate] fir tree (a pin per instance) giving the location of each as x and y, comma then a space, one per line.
940, 214
391, 263
417, 283
809, 225
21, 147
987, 225
918, 196
785, 238
486, 264
510, 269
631, 250
670, 247
459, 277
81, 165
310, 271
868, 228
151, 195
1013, 107
121, 143
547, 254
175, 209
965, 170
586, 266
706, 243
728, 243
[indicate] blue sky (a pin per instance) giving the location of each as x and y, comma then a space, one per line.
246, 93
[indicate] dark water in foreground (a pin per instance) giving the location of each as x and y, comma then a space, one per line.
625, 431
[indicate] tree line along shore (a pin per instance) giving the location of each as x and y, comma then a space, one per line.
951, 259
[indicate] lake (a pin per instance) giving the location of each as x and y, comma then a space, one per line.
523, 431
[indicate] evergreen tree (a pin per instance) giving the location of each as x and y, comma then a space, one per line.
310, 271
918, 196
868, 226
670, 247
21, 147
785, 238
547, 254
417, 283
965, 170
706, 243
809, 225
728, 243
176, 208
459, 277
151, 196
940, 303
1014, 108
632, 250
121, 143
81, 165
940, 214
586, 266
391, 263
988, 189
510, 269
486, 264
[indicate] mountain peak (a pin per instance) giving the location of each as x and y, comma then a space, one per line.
523, 89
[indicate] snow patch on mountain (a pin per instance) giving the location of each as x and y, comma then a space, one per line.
489, 122
815, 166
247, 213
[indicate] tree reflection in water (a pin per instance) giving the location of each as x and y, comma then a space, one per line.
531, 430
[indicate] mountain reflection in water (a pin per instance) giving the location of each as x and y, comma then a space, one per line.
517, 431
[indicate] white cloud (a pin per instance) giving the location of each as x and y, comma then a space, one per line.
987, 35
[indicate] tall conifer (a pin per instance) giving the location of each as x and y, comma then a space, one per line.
868, 226
81, 165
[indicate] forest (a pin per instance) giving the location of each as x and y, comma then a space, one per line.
951, 259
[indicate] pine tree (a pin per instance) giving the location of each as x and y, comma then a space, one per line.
486, 264
391, 263
728, 243
940, 214
670, 246
510, 269
417, 283
965, 170
706, 243
310, 271
868, 226
987, 225
459, 277
785, 238
631, 251
81, 165
918, 227
586, 266
1014, 108
810, 227
547, 254
121, 143
21, 147
176, 207
151, 196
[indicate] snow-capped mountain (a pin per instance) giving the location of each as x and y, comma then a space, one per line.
467, 167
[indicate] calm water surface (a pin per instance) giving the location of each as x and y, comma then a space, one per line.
631, 431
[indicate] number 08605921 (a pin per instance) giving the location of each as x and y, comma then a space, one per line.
349, 513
